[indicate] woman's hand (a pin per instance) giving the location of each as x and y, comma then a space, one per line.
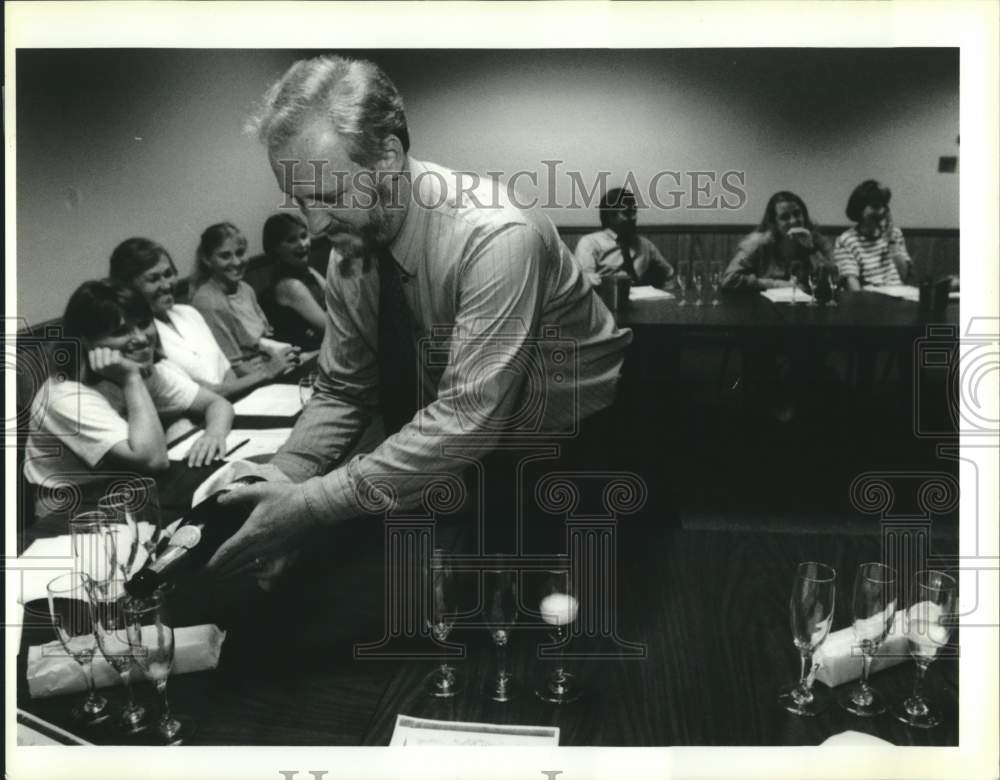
111, 364
801, 236
206, 449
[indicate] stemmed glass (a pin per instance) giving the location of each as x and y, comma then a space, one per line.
874, 606
93, 543
811, 607
136, 506
815, 282
69, 610
150, 632
795, 286
443, 682
559, 607
716, 281
501, 615
833, 278
682, 285
108, 608
927, 627
698, 277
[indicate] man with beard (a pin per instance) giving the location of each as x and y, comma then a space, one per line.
448, 310
619, 249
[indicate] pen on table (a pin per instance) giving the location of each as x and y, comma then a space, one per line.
236, 447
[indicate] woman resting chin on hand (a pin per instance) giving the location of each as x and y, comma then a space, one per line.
106, 415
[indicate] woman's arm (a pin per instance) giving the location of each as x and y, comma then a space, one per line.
293, 294
146, 447
218, 415
233, 385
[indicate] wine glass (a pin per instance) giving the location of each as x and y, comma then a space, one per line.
501, 615
811, 607
815, 282
69, 610
795, 286
306, 385
135, 505
698, 278
833, 279
874, 606
150, 632
93, 545
716, 281
682, 286
927, 627
559, 607
108, 602
443, 682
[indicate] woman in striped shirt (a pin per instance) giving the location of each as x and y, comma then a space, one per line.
872, 253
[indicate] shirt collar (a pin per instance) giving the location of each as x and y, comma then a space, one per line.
405, 247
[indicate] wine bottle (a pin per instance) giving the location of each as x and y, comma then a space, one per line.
199, 534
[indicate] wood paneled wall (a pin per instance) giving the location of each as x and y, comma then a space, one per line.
934, 251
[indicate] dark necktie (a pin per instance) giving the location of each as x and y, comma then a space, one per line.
627, 261
397, 353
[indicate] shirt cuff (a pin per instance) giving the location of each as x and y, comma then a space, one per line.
330, 498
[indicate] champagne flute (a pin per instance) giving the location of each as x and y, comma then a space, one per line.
443, 682
135, 505
150, 633
815, 281
93, 545
927, 627
501, 615
559, 607
811, 608
107, 603
682, 285
716, 282
69, 610
874, 606
698, 278
795, 286
833, 279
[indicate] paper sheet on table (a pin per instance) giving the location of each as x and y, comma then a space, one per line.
854, 739
271, 401
786, 295
646, 292
904, 291
32, 730
264, 441
411, 732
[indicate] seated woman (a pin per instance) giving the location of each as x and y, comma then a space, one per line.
184, 337
872, 253
229, 305
294, 303
619, 249
786, 245
103, 415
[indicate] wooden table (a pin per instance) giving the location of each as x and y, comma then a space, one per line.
710, 607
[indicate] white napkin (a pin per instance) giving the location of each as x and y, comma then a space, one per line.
837, 665
52, 672
646, 292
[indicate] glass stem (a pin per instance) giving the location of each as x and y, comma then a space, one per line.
918, 682
88, 673
804, 675
127, 679
161, 688
866, 665
502, 662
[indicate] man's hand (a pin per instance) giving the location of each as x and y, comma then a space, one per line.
279, 522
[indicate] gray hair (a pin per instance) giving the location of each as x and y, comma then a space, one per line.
358, 99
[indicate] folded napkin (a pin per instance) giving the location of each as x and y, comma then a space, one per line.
838, 665
646, 292
51, 672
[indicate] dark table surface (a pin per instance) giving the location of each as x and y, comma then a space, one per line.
708, 604
710, 607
